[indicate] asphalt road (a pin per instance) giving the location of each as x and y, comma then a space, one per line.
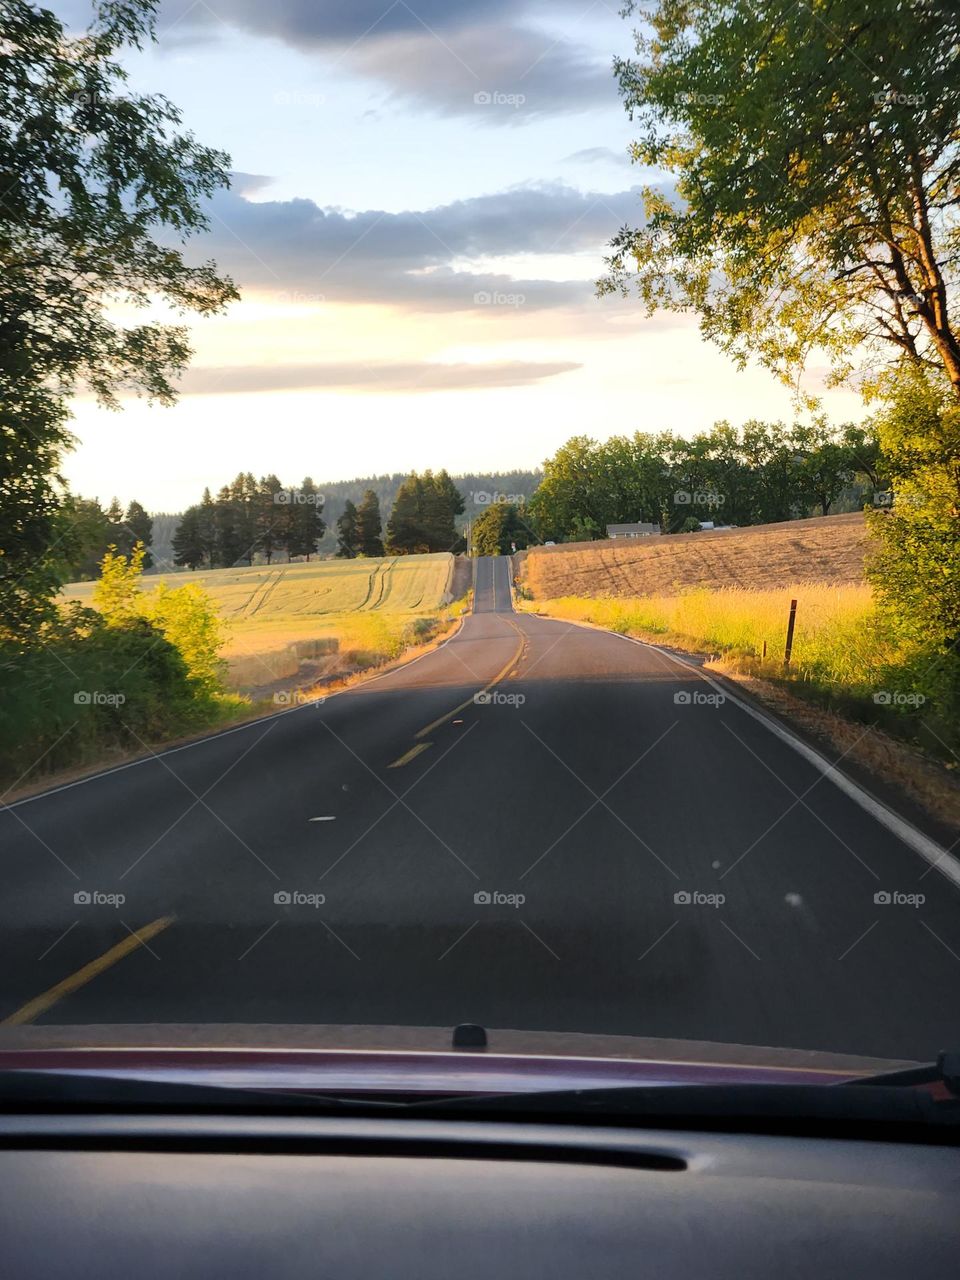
585, 779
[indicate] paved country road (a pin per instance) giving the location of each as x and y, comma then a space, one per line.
684, 871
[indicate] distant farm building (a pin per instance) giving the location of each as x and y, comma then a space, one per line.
633, 530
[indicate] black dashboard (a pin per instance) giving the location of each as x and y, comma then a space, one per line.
281, 1196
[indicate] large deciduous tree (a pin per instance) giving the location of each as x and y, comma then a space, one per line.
100, 189
815, 153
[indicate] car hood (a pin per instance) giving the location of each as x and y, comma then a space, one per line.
358, 1059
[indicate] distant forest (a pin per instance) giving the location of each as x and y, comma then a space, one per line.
478, 493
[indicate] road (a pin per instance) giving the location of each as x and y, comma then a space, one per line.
586, 783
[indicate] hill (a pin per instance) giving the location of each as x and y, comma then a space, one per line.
825, 549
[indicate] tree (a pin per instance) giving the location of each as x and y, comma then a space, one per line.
271, 530
139, 526
94, 177
499, 530
406, 534
307, 525
348, 537
188, 545
229, 544
817, 176
916, 571
85, 535
369, 525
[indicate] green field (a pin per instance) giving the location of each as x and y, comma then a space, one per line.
396, 584
368, 610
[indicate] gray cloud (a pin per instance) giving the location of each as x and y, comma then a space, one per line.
436, 53
598, 155
383, 376
413, 258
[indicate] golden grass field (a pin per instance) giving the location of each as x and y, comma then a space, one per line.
764, 557
836, 641
334, 613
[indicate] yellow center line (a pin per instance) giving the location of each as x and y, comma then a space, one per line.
40, 1004
501, 675
410, 755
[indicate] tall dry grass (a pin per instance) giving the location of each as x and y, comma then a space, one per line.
839, 643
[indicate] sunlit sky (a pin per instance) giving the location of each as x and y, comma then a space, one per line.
422, 198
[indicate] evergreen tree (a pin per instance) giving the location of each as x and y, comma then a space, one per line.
188, 545
406, 534
369, 525
307, 525
140, 529
348, 535
270, 516
229, 548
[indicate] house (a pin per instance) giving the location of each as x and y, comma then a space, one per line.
633, 530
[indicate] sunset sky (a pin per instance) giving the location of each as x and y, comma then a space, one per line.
422, 198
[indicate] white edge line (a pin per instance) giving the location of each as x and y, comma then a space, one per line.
224, 733
938, 857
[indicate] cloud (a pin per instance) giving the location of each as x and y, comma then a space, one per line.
436, 53
384, 376
598, 155
429, 260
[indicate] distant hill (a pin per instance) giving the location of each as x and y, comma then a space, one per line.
478, 491
761, 557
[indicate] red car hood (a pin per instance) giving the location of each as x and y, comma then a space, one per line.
412, 1059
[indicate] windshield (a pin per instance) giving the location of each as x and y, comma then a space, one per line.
479, 535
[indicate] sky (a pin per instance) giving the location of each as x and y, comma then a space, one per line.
422, 198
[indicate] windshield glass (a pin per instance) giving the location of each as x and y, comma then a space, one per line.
474, 554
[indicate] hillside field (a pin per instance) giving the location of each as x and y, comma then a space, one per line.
327, 613
829, 549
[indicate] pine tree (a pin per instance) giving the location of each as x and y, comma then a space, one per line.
140, 529
188, 547
306, 519
228, 545
406, 534
270, 516
369, 525
348, 539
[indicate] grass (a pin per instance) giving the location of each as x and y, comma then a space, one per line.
842, 656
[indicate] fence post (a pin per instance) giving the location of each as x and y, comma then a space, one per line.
790, 625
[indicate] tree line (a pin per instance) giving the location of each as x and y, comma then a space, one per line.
89, 531
261, 519
755, 474
247, 518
